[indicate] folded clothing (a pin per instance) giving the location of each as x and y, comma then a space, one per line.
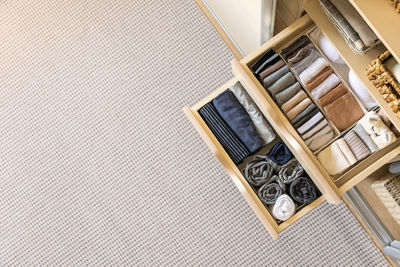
298, 108
361, 92
333, 159
269, 193
274, 67
318, 127
225, 135
326, 47
334, 94
238, 120
359, 149
310, 123
276, 75
306, 62
316, 67
344, 147
364, 136
280, 153
308, 110
328, 84
292, 48
321, 138
306, 118
283, 208
281, 84
287, 94
290, 171
377, 130
319, 78
259, 170
296, 99
299, 54
260, 123
303, 190
269, 58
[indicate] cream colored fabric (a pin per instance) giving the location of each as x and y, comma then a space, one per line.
333, 159
321, 138
284, 208
316, 67
344, 147
377, 129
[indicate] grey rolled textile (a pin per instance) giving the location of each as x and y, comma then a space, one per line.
269, 193
259, 170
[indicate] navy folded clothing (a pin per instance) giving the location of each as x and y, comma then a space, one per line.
280, 153
238, 120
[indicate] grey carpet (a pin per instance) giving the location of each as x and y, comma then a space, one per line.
98, 164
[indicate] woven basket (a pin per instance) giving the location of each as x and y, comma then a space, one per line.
388, 191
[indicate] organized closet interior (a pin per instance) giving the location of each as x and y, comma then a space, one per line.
310, 114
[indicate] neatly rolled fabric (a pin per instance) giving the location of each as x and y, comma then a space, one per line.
280, 153
377, 129
319, 78
361, 92
303, 190
276, 75
326, 46
296, 99
260, 123
331, 82
300, 54
309, 109
333, 159
287, 94
346, 151
298, 108
306, 118
334, 94
225, 135
271, 69
393, 67
364, 136
269, 193
290, 171
238, 120
284, 82
359, 149
283, 208
319, 126
259, 170
306, 62
320, 139
316, 67
296, 45
317, 118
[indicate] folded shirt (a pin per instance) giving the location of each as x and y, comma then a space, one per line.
364, 136
238, 120
314, 120
287, 94
269, 58
294, 101
359, 149
327, 85
346, 151
321, 138
306, 62
308, 110
319, 78
274, 67
260, 123
270, 79
299, 54
317, 127
284, 82
298, 108
333, 159
316, 67
334, 94
306, 118
296, 45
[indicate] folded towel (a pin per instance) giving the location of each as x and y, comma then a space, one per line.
303, 190
331, 82
300, 96
333, 159
318, 127
310, 123
280, 153
287, 94
320, 139
259, 170
316, 67
344, 111
283, 208
260, 123
276, 75
326, 46
300, 54
334, 94
359, 149
238, 120
269, 193
306, 62
274, 67
308, 110
224, 134
364, 136
378, 130
344, 147
290, 171
269, 59
361, 92
296, 45
298, 108
284, 82
319, 78
306, 118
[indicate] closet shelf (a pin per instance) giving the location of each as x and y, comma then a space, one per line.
358, 63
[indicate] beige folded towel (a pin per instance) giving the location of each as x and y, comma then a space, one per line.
297, 98
333, 159
346, 151
298, 108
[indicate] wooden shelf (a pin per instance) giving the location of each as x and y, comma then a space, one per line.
383, 20
358, 63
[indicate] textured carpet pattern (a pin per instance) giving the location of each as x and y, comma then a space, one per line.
98, 164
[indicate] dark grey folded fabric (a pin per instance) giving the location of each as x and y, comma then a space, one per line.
259, 170
270, 61
284, 82
303, 190
268, 193
306, 62
270, 79
283, 96
224, 134
304, 113
296, 45
267, 55
238, 120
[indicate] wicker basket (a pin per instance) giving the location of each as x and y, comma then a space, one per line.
388, 191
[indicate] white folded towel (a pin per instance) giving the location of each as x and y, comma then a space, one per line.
323, 88
316, 67
361, 92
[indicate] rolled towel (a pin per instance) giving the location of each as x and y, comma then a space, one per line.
316, 129
258, 170
326, 46
296, 99
333, 159
303, 190
298, 108
306, 118
287, 94
310, 123
238, 120
359, 149
361, 92
269, 193
379, 132
271, 69
295, 46
280, 153
316, 67
260, 123
276, 75
224, 134
300, 54
346, 151
306, 62
284, 82
393, 67
331, 82
308, 110
283, 208
320, 139
364, 136
290, 171
334, 94
319, 78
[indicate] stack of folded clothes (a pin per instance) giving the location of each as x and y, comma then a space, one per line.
280, 181
324, 85
287, 92
237, 123
369, 135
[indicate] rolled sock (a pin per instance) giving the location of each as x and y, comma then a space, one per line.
298, 108
299, 54
361, 92
276, 66
393, 67
309, 109
310, 123
317, 66
284, 82
319, 78
305, 119
377, 130
301, 95
290, 171
344, 111
334, 94
306, 62
359, 149
320, 139
259, 170
296, 45
260, 123
303, 190
319, 126
238, 120
347, 10
333, 159
224, 134
331, 82
287, 94
364, 136
346, 151
270, 79
269, 193
326, 46
280, 153
394, 167
283, 208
